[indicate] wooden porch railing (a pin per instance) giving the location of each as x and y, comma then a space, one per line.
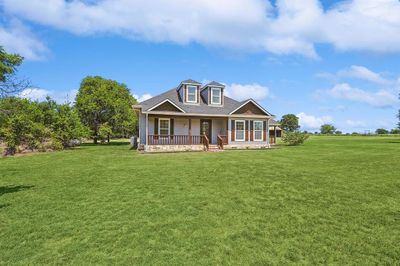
221, 141
174, 140
206, 141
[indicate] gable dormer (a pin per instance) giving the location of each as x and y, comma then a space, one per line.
189, 91
213, 94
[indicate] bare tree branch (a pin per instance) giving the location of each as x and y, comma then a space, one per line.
13, 85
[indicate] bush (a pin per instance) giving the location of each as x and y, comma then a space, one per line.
27, 125
294, 138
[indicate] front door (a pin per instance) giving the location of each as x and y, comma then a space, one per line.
205, 128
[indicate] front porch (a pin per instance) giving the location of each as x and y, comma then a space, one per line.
205, 133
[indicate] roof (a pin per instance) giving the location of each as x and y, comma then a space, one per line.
273, 122
202, 108
190, 81
214, 83
173, 97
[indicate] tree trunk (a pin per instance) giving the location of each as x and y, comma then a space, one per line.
108, 138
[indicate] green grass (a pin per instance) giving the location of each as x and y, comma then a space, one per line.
335, 200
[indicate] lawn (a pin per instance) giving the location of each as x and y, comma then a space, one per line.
334, 200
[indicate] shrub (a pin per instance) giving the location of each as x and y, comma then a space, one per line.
294, 138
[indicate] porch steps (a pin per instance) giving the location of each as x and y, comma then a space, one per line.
214, 148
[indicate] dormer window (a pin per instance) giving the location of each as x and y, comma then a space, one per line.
191, 94
216, 96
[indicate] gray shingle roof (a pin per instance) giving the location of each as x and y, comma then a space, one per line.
273, 122
202, 108
214, 83
191, 81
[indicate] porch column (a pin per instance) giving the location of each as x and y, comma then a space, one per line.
274, 134
268, 131
147, 129
190, 131
228, 133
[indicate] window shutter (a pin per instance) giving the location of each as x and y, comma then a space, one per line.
264, 130
155, 126
251, 130
233, 130
198, 94
171, 130
247, 130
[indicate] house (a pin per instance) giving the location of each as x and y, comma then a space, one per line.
200, 117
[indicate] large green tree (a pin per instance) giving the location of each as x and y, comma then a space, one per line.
103, 103
9, 83
290, 122
327, 129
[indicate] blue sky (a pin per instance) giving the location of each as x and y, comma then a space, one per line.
325, 61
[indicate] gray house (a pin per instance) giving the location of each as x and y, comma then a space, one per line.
193, 116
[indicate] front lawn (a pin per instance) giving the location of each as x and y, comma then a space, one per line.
335, 200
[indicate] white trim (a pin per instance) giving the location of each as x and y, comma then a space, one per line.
244, 130
212, 94
195, 94
254, 130
169, 126
166, 100
255, 103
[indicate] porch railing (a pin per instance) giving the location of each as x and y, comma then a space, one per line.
175, 140
221, 141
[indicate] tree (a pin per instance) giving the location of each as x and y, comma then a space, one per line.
381, 131
9, 83
102, 101
21, 124
395, 131
398, 116
290, 122
327, 129
38, 126
63, 121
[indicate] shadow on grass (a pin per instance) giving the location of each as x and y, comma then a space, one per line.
13, 189
4, 205
113, 143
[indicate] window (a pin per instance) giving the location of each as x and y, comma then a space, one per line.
240, 128
191, 94
216, 96
258, 130
163, 126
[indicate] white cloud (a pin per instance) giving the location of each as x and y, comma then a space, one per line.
312, 122
364, 73
287, 27
380, 98
246, 91
142, 98
36, 94
356, 124
17, 38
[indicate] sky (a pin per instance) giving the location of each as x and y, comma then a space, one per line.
327, 61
